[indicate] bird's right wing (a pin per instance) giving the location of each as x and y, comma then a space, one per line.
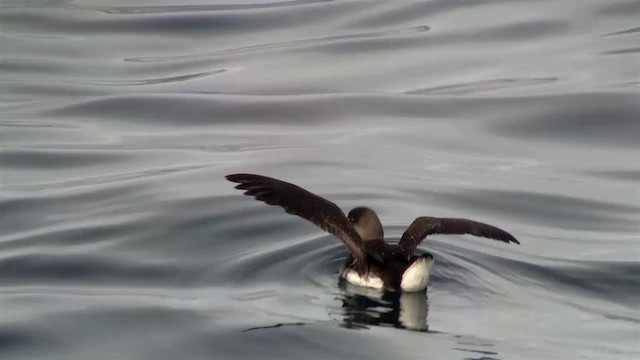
298, 201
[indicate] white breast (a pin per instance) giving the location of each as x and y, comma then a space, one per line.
416, 277
368, 280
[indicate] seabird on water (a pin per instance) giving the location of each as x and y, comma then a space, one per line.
371, 262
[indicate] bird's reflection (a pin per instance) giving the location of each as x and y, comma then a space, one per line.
365, 306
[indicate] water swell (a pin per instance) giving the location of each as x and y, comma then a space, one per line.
120, 238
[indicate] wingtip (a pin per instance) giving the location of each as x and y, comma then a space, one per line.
238, 177
231, 177
512, 239
508, 238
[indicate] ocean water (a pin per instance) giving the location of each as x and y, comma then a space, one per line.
121, 239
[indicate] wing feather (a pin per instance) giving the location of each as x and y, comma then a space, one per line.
423, 226
298, 201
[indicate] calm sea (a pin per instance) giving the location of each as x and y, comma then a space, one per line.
120, 238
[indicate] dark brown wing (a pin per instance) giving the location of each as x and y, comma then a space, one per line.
298, 201
423, 226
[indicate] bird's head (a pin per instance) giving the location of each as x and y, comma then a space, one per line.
366, 223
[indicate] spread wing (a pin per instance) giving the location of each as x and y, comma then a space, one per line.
298, 201
423, 226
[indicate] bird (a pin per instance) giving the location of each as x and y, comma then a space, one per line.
372, 262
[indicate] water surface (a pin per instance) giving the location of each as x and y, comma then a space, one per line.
120, 238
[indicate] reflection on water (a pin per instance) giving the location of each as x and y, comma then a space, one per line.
364, 306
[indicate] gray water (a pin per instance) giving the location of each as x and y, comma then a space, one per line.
120, 238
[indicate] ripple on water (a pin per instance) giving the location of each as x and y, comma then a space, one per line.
120, 238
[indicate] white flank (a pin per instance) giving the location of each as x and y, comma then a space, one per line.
416, 277
368, 280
